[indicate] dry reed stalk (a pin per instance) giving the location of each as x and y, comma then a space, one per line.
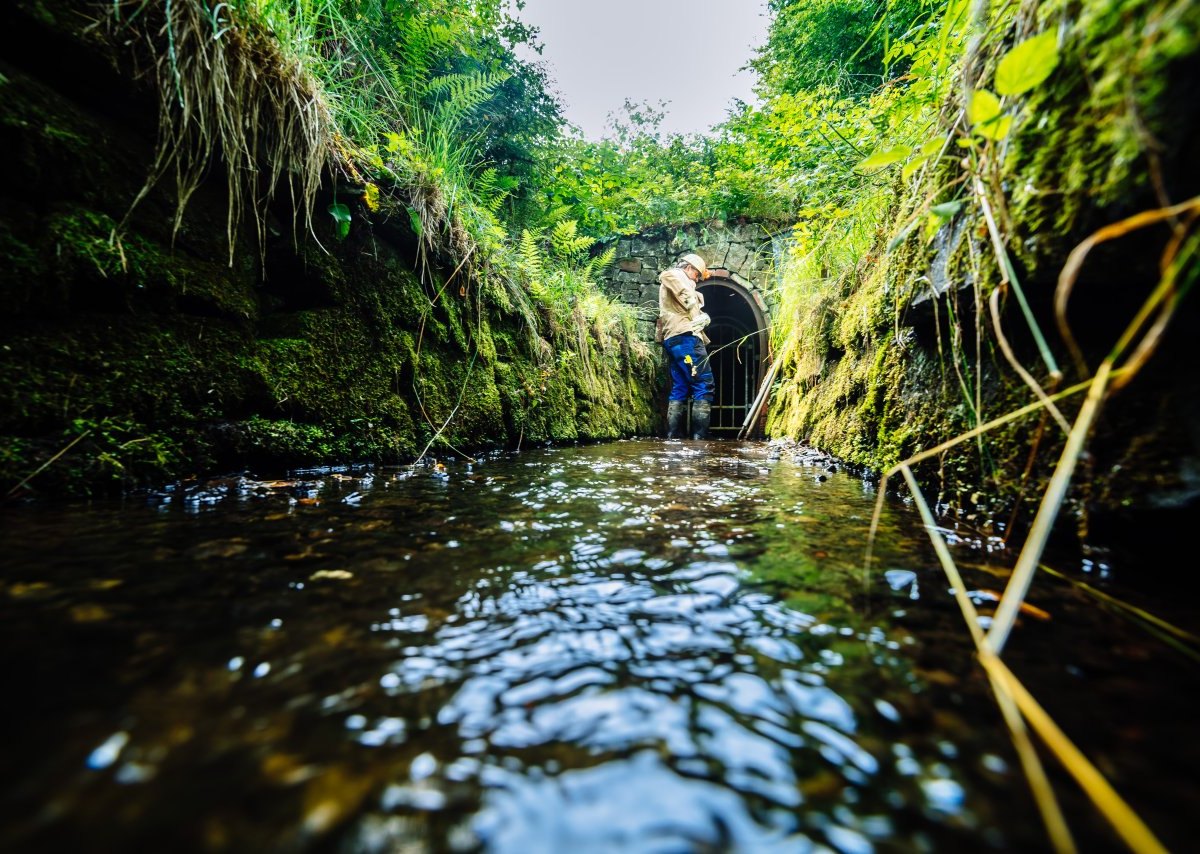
1012, 696
1123, 819
1170, 634
1035, 774
881, 493
1070, 271
1164, 300
1164, 296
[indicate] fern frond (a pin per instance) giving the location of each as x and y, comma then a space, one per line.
529, 256
492, 189
597, 263
567, 243
422, 46
556, 215
463, 93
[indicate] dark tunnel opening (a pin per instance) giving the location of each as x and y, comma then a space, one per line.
737, 351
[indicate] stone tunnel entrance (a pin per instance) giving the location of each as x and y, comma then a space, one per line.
738, 353
741, 258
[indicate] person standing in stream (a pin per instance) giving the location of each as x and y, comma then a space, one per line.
681, 323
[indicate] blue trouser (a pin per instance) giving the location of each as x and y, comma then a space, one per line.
683, 384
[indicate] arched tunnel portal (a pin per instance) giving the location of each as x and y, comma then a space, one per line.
741, 259
738, 352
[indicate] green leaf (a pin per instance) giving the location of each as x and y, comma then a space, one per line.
946, 209
341, 216
984, 107
996, 129
903, 235
933, 225
879, 159
934, 145
1027, 64
912, 166
415, 219
985, 114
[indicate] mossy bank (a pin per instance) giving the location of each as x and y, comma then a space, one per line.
133, 353
905, 351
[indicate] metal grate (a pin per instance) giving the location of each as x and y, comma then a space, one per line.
734, 355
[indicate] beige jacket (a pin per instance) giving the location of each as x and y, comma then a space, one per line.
679, 305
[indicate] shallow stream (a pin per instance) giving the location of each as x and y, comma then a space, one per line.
637, 646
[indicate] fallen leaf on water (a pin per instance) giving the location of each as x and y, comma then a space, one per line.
331, 796
332, 574
822, 784
939, 677
305, 553
335, 637
30, 590
219, 549
89, 613
287, 769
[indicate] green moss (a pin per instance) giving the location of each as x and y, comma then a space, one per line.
888, 379
1084, 136
170, 361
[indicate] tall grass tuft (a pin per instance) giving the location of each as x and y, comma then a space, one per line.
227, 90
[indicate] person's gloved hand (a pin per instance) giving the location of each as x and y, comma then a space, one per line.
702, 320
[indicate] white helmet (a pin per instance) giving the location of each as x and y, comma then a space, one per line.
697, 262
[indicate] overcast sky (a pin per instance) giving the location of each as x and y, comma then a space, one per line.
687, 52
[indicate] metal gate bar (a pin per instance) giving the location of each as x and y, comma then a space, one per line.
735, 369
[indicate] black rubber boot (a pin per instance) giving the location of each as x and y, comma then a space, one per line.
701, 412
676, 413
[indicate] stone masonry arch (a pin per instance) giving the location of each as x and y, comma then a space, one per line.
739, 297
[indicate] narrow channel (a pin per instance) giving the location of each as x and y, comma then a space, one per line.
636, 646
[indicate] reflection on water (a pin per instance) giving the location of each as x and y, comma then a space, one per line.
642, 646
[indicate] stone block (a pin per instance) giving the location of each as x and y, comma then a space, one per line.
736, 258
712, 253
629, 265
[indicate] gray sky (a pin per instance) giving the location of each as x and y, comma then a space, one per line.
687, 52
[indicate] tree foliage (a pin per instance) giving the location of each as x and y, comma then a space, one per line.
843, 45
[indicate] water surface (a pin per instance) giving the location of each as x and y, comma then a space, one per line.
639, 646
